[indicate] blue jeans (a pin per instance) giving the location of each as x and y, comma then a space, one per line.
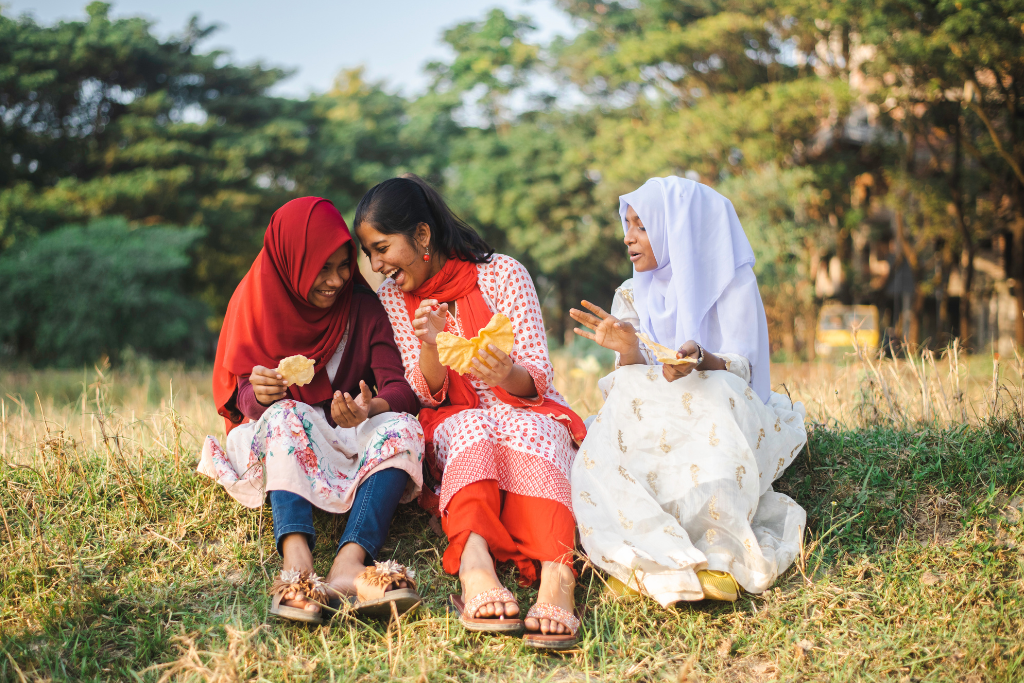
368, 520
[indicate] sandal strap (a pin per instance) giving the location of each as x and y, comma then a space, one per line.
545, 610
377, 578
487, 597
305, 582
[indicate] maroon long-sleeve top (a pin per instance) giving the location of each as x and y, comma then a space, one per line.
370, 355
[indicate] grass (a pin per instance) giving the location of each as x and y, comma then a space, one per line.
120, 563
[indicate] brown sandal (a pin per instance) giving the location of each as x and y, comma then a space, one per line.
553, 641
500, 624
372, 599
305, 582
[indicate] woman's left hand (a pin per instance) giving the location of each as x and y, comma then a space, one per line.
351, 412
492, 366
687, 350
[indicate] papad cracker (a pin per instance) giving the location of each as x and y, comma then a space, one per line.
663, 353
296, 370
458, 353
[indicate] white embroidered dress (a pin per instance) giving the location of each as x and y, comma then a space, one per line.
527, 453
675, 477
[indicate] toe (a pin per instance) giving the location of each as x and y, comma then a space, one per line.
532, 624
511, 609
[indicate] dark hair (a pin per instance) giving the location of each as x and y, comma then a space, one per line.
398, 205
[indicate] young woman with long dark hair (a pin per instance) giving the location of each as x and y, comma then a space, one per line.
500, 440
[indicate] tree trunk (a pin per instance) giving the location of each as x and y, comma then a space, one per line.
967, 255
1015, 270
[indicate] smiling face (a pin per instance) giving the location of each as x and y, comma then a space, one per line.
331, 278
399, 257
638, 244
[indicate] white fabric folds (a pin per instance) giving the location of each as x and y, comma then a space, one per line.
703, 256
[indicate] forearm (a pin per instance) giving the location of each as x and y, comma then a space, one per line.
378, 406
632, 357
520, 383
431, 367
711, 362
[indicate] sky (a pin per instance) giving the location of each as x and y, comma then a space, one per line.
393, 39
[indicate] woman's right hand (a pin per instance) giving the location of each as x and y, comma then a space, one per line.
429, 320
268, 385
608, 331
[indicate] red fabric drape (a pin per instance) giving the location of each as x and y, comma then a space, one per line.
269, 318
523, 529
457, 281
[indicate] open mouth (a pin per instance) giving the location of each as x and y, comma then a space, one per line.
327, 293
397, 274
634, 256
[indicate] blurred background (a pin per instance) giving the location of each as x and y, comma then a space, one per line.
874, 152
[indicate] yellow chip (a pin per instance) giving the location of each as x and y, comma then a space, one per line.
458, 353
663, 353
296, 370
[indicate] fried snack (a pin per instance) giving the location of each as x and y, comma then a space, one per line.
663, 353
296, 370
458, 353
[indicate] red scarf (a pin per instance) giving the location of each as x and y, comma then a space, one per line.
457, 281
269, 318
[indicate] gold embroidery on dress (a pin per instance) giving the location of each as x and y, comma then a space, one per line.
732, 403
622, 446
611, 385
703, 374
712, 439
587, 462
748, 545
750, 515
627, 542
713, 508
626, 524
778, 428
637, 402
624, 473
796, 448
740, 471
710, 535
652, 373
668, 530
782, 461
585, 530
728, 366
606, 560
694, 469
627, 294
760, 435
663, 443
749, 394
598, 419
585, 497
652, 481
686, 403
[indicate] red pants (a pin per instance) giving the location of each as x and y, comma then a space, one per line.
523, 529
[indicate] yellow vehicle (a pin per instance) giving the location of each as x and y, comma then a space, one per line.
837, 325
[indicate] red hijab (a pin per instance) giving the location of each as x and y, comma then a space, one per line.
269, 318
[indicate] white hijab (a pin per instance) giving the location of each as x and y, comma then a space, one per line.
702, 252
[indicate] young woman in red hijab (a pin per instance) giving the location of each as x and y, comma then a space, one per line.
500, 441
332, 443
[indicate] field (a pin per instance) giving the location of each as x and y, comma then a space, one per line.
120, 563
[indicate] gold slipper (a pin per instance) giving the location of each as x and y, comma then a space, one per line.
718, 585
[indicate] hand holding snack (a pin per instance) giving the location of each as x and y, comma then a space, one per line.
685, 360
458, 353
608, 331
429, 320
296, 370
492, 366
666, 355
351, 412
268, 385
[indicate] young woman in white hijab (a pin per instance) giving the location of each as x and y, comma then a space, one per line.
672, 488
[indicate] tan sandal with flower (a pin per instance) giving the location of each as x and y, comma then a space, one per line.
373, 599
304, 582
553, 641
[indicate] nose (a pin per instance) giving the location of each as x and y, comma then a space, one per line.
376, 263
630, 237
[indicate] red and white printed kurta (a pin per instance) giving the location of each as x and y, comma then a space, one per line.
526, 452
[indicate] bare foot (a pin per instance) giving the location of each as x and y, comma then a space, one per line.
556, 588
476, 573
296, 555
349, 563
